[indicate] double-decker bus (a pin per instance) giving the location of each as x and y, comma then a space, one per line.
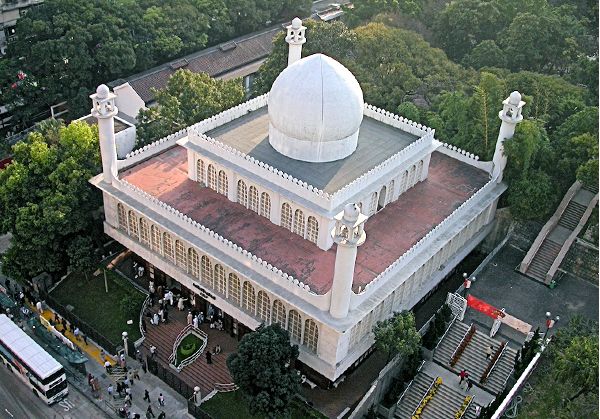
43, 374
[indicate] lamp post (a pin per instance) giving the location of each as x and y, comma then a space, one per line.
124, 334
550, 323
197, 396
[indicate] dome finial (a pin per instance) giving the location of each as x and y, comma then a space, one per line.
295, 38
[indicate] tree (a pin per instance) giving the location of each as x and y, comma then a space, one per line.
263, 368
485, 54
188, 98
46, 201
398, 335
81, 252
363, 10
532, 197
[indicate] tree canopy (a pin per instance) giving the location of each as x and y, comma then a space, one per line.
263, 368
188, 98
46, 201
398, 335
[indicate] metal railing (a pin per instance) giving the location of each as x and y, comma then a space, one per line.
460, 345
488, 371
410, 384
424, 395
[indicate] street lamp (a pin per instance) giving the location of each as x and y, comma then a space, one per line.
550, 323
197, 397
124, 334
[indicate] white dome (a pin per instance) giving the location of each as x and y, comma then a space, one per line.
514, 98
315, 110
351, 212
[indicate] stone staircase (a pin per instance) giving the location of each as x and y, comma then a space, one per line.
573, 213
543, 259
444, 404
473, 359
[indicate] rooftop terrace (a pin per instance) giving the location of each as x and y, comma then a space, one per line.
390, 232
377, 142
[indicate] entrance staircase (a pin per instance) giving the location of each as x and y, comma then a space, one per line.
473, 358
444, 404
554, 240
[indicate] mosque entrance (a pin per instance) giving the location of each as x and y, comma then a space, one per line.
382, 197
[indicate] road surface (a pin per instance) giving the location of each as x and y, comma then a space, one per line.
18, 402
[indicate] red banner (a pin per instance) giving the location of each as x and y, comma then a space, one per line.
483, 307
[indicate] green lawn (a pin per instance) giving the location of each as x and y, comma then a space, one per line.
188, 347
232, 406
106, 312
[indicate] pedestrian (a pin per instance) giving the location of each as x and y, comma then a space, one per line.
72, 327
143, 325
38, 306
469, 384
180, 303
489, 351
169, 296
84, 338
195, 322
463, 375
56, 318
128, 392
119, 388
162, 415
128, 399
131, 377
136, 373
161, 400
102, 354
110, 390
155, 319
477, 410
161, 313
166, 313
146, 396
217, 349
76, 333
152, 351
190, 319
208, 357
149, 412
138, 356
64, 323
108, 366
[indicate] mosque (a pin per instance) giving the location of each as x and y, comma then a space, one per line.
304, 207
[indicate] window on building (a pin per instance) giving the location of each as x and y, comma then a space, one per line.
212, 177
295, 326
168, 247
311, 335
419, 170
194, 263
279, 313
411, 176
133, 225
222, 186
286, 216
144, 232
155, 237
121, 215
180, 254
242, 193
200, 171
390, 191
312, 229
206, 270
373, 204
248, 298
299, 222
404, 182
264, 307
234, 289
253, 199
265, 205
220, 281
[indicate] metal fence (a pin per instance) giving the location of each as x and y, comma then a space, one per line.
170, 377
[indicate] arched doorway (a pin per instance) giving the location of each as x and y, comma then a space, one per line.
382, 196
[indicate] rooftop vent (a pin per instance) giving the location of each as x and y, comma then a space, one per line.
227, 46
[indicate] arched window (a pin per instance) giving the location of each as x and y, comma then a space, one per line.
311, 335
133, 225
286, 216
419, 171
312, 232
206, 270
180, 255
264, 307
279, 313
265, 205
299, 222
373, 204
404, 182
220, 281
168, 247
242, 193
295, 326
390, 191
248, 298
223, 187
122, 217
200, 171
253, 199
144, 232
194, 263
234, 289
155, 238
411, 176
212, 177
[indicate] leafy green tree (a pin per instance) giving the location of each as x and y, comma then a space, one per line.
409, 110
188, 98
82, 255
263, 368
363, 10
46, 201
532, 197
587, 173
486, 54
397, 335
251, 15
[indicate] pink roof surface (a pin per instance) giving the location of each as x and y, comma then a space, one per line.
390, 232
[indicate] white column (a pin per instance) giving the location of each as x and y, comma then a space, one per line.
104, 110
295, 38
510, 116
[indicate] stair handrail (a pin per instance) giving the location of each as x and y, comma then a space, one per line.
460, 348
462, 410
445, 332
492, 364
567, 244
549, 226
178, 340
410, 384
142, 311
429, 389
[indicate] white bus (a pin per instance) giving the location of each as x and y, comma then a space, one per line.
43, 374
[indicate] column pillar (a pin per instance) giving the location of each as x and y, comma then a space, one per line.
510, 116
295, 39
104, 110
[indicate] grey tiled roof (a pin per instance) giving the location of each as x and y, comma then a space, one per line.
215, 61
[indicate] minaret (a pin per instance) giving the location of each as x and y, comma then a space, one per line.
104, 110
349, 233
295, 38
510, 116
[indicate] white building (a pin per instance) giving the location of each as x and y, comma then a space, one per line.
259, 211
10, 12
